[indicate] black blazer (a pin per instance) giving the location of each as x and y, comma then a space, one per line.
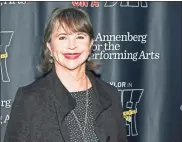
39, 109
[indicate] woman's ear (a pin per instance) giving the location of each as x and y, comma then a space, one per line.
49, 47
91, 43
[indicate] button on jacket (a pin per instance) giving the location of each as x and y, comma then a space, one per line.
39, 110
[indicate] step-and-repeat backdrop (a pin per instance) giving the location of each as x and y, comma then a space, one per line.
137, 49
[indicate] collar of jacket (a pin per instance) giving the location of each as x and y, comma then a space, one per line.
64, 102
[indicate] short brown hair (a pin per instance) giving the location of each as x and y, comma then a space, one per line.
76, 20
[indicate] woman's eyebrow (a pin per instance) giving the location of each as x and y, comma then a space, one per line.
81, 33
61, 34
77, 33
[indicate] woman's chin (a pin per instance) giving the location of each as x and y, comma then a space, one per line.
72, 67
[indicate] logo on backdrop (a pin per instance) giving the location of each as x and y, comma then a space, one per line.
11, 2
6, 38
127, 4
130, 98
133, 4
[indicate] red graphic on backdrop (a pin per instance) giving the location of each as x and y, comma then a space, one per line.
85, 4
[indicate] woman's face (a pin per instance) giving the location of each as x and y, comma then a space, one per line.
69, 50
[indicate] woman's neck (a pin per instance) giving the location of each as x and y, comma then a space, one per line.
73, 80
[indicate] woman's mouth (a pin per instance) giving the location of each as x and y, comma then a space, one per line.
71, 56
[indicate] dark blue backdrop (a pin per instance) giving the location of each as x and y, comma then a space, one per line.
149, 32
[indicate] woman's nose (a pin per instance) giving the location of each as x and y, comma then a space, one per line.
72, 44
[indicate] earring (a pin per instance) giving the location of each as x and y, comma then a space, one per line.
51, 59
89, 59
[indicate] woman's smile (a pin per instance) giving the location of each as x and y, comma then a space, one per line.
71, 56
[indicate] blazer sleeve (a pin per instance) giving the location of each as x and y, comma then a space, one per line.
18, 126
122, 137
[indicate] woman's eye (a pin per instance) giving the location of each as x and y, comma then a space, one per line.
80, 37
62, 38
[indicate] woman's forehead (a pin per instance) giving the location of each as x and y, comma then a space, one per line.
60, 27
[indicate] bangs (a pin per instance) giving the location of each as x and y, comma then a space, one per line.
73, 22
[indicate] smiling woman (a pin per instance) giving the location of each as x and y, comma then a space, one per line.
69, 104
69, 50
64, 25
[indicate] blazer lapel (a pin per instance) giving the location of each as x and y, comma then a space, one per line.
64, 103
100, 102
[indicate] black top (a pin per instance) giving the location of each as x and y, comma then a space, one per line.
80, 110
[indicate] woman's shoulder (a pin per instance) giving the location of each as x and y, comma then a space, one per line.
35, 86
30, 95
104, 85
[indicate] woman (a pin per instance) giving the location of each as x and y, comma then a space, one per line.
69, 104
